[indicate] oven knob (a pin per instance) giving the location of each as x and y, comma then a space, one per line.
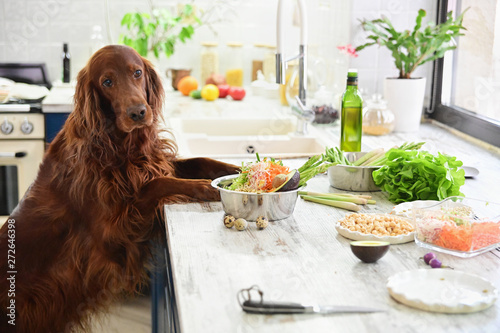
26, 126
6, 127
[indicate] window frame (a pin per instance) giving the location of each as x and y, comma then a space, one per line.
468, 122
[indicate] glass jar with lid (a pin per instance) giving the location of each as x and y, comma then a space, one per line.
269, 65
325, 106
377, 118
287, 89
292, 84
209, 60
234, 64
257, 60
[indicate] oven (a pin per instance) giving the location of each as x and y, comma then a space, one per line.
22, 133
21, 151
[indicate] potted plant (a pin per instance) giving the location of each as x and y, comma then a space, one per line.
158, 32
411, 49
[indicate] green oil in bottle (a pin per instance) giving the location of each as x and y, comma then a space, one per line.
351, 121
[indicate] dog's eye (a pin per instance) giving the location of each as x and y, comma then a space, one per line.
137, 73
107, 83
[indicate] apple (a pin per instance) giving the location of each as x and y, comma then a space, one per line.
223, 90
237, 93
216, 79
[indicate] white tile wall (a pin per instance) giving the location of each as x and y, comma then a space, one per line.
34, 30
374, 63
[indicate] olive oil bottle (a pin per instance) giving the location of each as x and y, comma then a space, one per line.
66, 64
351, 121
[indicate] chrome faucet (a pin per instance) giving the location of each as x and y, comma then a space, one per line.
281, 62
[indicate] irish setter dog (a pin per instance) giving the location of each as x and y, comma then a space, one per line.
82, 231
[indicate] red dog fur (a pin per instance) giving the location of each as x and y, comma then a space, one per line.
83, 228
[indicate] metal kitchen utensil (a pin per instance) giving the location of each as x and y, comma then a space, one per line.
470, 172
262, 307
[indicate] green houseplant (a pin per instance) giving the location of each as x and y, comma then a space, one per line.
158, 32
411, 49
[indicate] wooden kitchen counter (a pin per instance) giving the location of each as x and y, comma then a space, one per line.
304, 259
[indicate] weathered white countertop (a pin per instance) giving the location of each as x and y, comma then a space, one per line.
303, 259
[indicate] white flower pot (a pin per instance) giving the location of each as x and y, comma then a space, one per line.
405, 98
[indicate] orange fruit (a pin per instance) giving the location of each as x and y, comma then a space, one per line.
210, 92
187, 84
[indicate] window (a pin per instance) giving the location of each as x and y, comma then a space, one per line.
466, 83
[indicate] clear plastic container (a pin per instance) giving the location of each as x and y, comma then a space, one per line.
377, 118
458, 226
209, 60
234, 64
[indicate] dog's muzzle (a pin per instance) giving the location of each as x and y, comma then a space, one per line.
137, 112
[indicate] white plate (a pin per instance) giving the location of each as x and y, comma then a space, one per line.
405, 209
442, 290
356, 235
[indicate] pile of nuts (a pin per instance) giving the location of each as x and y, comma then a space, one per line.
241, 224
377, 224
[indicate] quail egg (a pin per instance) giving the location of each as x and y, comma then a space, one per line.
229, 221
262, 222
240, 224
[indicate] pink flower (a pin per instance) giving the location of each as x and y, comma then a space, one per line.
348, 49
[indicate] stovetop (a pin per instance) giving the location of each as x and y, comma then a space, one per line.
33, 106
21, 119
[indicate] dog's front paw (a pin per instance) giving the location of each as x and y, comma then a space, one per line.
233, 169
204, 191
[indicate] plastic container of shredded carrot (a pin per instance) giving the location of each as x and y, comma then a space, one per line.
459, 226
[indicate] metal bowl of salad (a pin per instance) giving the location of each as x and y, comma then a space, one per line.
263, 188
249, 206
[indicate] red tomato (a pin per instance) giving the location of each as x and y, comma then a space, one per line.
223, 90
237, 93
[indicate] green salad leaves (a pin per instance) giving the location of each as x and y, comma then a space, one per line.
418, 175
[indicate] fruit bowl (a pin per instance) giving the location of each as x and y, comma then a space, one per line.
249, 206
458, 226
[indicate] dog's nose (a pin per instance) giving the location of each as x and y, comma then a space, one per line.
137, 112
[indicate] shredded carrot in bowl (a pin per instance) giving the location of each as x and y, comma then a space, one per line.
259, 176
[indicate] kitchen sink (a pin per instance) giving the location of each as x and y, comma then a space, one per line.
240, 132
235, 126
278, 146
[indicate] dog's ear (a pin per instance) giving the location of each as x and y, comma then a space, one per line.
154, 89
87, 105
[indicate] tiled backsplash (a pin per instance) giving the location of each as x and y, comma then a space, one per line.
375, 64
34, 31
